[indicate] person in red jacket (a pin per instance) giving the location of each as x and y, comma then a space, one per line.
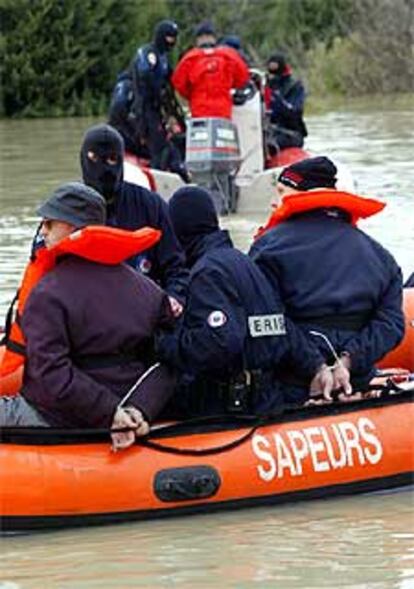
207, 73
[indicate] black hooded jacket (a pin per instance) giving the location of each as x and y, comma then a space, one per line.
131, 207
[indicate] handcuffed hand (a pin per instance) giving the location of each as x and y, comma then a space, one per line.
176, 307
342, 378
322, 383
128, 417
142, 426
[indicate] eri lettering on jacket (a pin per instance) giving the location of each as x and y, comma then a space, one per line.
336, 446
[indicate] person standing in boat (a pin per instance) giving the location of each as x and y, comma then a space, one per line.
207, 73
233, 332
341, 287
82, 336
129, 206
153, 94
284, 98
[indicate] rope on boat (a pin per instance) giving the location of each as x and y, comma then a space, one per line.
53, 436
137, 384
147, 443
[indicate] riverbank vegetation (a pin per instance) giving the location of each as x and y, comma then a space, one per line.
61, 57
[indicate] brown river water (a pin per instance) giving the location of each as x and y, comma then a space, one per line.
361, 542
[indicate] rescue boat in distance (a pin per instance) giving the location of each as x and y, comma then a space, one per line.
52, 478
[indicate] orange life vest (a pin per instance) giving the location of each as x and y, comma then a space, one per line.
358, 207
104, 245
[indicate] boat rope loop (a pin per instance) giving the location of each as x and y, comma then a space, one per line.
147, 443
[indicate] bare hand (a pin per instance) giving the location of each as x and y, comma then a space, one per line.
342, 378
122, 440
176, 307
142, 426
128, 417
322, 383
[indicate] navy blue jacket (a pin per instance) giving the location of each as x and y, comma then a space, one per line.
137, 207
287, 104
151, 72
122, 98
325, 267
214, 339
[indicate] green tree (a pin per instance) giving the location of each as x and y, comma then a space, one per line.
62, 56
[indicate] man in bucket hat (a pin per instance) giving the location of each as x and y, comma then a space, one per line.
87, 325
340, 286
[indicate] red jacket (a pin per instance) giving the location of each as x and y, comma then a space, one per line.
205, 78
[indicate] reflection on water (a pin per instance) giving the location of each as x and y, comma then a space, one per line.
361, 542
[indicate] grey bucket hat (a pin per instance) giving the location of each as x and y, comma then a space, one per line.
75, 203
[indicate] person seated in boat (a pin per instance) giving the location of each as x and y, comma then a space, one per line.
129, 206
122, 117
234, 42
151, 73
341, 287
87, 325
233, 332
284, 98
206, 74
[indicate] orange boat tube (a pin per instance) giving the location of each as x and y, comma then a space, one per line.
51, 478
403, 355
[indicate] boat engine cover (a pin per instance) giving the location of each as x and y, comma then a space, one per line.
186, 483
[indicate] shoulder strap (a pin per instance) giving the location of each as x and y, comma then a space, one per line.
9, 319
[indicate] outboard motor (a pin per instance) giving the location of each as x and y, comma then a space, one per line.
213, 158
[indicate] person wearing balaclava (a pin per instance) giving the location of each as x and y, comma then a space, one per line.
206, 74
341, 287
233, 332
151, 73
130, 206
284, 98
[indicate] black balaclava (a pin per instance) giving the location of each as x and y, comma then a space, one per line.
165, 28
193, 215
105, 142
276, 77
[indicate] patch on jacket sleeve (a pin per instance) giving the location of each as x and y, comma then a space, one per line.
152, 58
216, 318
145, 265
262, 325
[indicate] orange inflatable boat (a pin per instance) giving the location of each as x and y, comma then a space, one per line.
52, 478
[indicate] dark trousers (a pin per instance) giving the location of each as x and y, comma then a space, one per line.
164, 154
280, 138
